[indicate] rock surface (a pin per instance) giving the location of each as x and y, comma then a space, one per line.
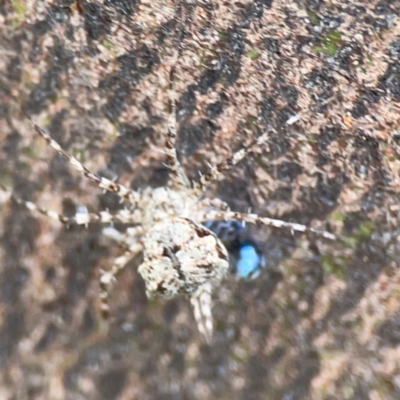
322, 321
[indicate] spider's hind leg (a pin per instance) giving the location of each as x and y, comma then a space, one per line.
108, 277
202, 304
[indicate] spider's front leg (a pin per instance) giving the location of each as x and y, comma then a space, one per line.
178, 177
216, 171
104, 183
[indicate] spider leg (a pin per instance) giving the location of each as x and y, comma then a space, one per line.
202, 303
82, 218
216, 171
108, 277
212, 204
104, 183
125, 239
255, 219
178, 176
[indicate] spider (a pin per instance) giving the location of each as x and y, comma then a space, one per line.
247, 259
181, 256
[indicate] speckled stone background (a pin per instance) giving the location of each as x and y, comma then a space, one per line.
323, 319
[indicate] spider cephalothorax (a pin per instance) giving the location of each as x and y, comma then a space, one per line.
181, 256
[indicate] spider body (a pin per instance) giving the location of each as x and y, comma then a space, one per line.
164, 202
181, 256
250, 261
247, 259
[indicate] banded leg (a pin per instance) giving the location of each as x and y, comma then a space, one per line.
213, 204
216, 171
255, 219
126, 239
83, 218
108, 277
178, 176
202, 304
104, 183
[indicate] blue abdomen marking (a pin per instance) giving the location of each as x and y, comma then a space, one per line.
248, 259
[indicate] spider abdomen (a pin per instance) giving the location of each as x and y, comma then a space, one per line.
180, 256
